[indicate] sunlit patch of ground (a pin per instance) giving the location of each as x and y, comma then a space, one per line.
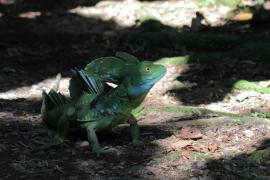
174, 13
34, 91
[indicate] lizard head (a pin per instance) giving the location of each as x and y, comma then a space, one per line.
144, 76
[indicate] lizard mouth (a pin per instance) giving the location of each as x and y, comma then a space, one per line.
153, 80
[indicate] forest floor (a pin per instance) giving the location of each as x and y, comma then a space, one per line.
183, 138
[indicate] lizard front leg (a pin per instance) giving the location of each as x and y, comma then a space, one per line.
93, 140
89, 121
135, 132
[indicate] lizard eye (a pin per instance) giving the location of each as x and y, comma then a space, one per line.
147, 69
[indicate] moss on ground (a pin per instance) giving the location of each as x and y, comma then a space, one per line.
197, 111
250, 86
177, 60
260, 156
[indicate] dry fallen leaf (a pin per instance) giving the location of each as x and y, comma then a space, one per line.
181, 144
186, 155
213, 147
189, 133
243, 16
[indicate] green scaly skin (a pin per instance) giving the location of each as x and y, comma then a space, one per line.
101, 111
107, 69
113, 69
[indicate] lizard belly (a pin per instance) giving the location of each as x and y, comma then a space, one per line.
108, 122
117, 120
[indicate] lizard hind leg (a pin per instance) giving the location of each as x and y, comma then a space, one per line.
62, 128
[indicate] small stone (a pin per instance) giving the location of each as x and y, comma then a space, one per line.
84, 144
245, 95
248, 133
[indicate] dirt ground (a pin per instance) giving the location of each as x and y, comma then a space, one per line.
38, 39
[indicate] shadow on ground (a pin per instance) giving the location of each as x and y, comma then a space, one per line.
20, 158
244, 166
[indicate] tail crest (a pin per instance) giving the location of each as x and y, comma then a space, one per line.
56, 84
52, 99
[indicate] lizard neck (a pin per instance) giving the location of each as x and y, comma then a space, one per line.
131, 97
140, 90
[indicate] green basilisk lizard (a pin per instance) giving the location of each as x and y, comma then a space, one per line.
95, 109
